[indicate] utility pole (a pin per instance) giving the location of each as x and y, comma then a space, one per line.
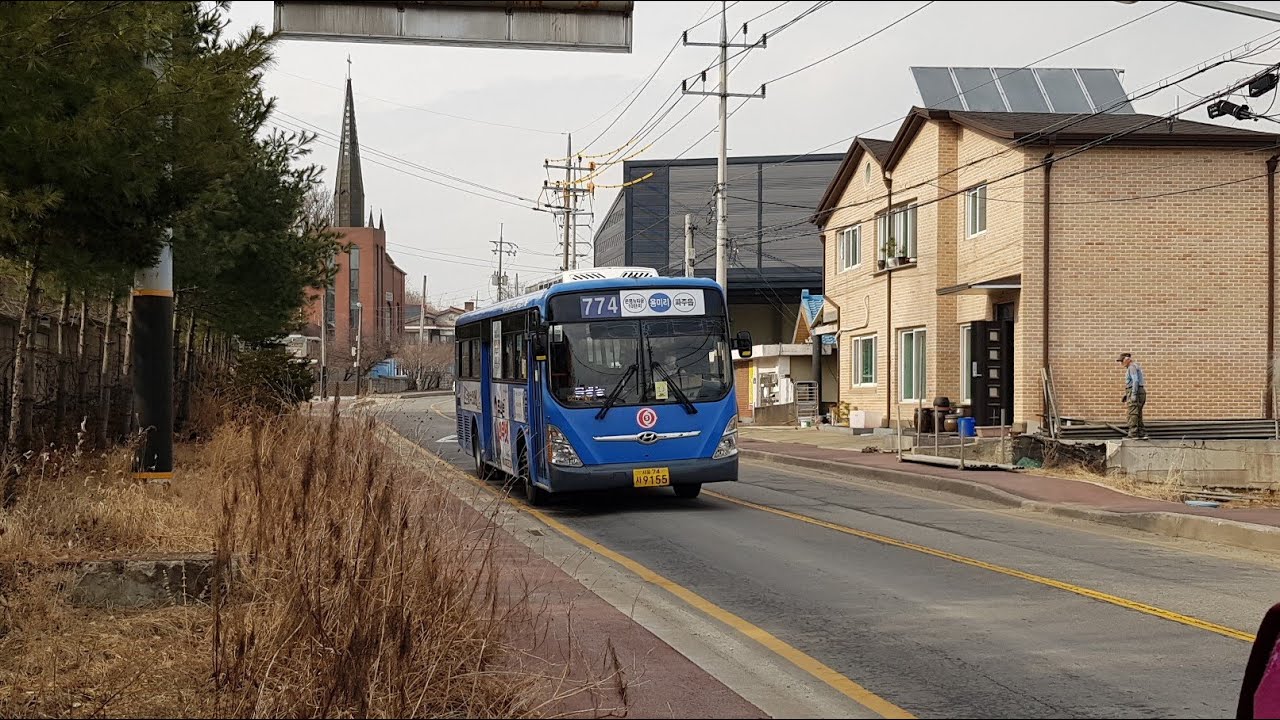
422, 315
152, 317
688, 245
324, 335
502, 247
569, 207
722, 167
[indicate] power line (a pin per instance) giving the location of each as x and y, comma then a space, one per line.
429, 111
649, 124
1149, 89
401, 170
852, 45
1072, 153
395, 158
639, 90
809, 11
1046, 58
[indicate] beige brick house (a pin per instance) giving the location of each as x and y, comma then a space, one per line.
1157, 243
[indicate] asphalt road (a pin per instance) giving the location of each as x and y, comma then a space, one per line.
942, 606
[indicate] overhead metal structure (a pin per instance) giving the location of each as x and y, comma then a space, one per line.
592, 26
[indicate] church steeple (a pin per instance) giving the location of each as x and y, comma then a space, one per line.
348, 196
380, 225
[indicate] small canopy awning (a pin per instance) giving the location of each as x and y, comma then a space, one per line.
1011, 282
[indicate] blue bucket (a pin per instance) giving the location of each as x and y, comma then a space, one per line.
967, 426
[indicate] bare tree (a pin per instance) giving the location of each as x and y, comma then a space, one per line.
317, 209
430, 364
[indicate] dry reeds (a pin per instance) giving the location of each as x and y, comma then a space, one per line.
351, 588
354, 597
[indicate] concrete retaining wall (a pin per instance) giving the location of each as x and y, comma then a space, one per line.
1244, 464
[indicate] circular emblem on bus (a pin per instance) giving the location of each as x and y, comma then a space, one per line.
684, 302
633, 302
660, 302
647, 418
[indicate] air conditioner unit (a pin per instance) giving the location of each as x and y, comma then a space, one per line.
597, 273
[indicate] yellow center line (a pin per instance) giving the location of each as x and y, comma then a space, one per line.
799, 658
1029, 577
435, 407
795, 656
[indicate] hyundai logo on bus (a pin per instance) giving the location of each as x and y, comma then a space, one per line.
648, 437
647, 418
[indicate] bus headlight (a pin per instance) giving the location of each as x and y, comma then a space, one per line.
728, 446
562, 453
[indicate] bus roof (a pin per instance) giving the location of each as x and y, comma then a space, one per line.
538, 299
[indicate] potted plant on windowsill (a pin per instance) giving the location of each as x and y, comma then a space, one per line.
880, 263
902, 258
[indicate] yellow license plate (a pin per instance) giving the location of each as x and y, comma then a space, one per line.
651, 477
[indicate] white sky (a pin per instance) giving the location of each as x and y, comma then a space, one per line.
397, 86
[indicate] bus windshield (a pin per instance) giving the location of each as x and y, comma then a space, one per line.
589, 360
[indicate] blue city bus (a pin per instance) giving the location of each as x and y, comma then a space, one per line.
623, 379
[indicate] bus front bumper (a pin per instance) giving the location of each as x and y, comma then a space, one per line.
620, 475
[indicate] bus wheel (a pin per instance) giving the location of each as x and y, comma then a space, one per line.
533, 494
689, 491
482, 469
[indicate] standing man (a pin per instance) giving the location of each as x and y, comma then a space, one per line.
1135, 394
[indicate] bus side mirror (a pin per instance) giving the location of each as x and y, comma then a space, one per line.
742, 343
540, 346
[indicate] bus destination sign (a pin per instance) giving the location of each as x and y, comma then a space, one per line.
642, 303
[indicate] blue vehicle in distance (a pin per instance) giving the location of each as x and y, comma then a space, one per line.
608, 378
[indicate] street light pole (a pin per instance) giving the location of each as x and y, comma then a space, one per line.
359, 337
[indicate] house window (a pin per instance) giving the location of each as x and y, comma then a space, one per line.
849, 247
864, 361
911, 366
966, 362
976, 210
904, 234
866, 173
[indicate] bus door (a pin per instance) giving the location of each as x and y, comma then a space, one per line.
535, 345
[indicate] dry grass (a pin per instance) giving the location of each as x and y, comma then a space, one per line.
353, 595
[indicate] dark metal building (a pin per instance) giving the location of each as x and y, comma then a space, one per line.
775, 252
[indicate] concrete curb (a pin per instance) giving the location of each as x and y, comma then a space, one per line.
419, 394
1169, 524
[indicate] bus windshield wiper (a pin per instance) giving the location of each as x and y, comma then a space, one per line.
617, 390
675, 388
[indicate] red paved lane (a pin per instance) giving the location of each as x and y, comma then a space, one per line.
584, 646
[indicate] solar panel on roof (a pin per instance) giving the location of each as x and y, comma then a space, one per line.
981, 92
937, 88
1022, 90
1062, 90
1106, 91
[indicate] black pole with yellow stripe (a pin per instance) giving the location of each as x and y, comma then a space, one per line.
153, 368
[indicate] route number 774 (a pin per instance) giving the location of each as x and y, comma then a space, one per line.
600, 306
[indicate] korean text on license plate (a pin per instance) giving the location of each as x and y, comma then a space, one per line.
651, 477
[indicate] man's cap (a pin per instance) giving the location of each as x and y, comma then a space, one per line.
1123, 356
